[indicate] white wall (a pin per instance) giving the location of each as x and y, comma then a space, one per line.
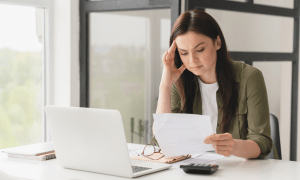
264, 33
74, 42
66, 53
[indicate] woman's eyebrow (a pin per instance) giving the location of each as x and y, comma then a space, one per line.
194, 47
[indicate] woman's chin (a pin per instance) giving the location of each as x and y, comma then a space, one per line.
196, 72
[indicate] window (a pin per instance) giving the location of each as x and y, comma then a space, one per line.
119, 65
121, 46
22, 69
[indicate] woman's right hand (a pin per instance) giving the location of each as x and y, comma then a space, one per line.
170, 72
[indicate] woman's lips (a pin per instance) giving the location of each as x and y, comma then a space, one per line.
198, 67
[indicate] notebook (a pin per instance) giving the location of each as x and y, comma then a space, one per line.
38, 151
40, 157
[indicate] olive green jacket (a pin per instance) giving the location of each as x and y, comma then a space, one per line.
251, 121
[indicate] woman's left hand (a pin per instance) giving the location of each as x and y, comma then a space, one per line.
222, 143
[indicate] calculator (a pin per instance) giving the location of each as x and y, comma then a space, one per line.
200, 168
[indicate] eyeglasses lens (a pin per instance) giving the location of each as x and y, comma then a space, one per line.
149, 150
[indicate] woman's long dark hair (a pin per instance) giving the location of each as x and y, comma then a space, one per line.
202, 23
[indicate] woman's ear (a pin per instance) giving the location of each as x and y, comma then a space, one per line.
218, 43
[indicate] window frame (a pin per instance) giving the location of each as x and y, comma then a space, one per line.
87, 7
47, 5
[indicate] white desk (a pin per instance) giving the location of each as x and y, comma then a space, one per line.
230, 168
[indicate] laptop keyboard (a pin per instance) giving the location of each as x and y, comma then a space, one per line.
136, 169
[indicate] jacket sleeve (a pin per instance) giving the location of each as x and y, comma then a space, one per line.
175, 100
258, 113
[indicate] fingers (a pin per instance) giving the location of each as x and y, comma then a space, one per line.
220, 142
172, 48
164, 56
167, 62
171, 51
221, 136
215, 137
208, 139
182, 68
223, 143
224, 153
221, 148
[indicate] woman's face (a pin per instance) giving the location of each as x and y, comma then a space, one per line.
198, 53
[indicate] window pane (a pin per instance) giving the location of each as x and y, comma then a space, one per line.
125, 65
278, 3
254, 32
21, 75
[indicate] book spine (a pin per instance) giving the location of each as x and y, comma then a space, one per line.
49, 156
42, 157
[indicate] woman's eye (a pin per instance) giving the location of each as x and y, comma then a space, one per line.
200, 50
197, 51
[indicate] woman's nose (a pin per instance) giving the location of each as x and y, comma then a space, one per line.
193, 60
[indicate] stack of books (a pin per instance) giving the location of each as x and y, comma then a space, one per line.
39, 151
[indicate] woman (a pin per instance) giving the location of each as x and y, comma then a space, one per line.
199, 78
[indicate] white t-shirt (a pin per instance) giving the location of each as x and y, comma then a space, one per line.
209, 101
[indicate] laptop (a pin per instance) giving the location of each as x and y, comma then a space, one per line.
93, 140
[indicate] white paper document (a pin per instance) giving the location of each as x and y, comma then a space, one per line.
204, 158
181, 134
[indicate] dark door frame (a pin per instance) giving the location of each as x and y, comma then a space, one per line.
87, 7
250, 57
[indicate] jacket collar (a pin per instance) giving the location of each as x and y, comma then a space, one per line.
237, 77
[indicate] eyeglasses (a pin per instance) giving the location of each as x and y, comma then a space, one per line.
153, 151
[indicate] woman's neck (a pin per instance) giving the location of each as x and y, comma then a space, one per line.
208, 79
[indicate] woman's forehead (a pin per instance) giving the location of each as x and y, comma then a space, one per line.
190, 40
